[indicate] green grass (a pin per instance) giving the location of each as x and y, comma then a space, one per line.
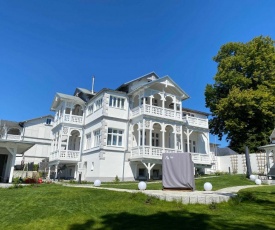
218, 182
53, 206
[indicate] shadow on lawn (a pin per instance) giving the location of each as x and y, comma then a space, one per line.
165, 220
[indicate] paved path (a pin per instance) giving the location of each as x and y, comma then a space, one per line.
201, 197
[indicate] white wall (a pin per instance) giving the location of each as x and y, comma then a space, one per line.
256, 160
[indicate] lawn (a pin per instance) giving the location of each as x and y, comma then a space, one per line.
218, 182
51, 206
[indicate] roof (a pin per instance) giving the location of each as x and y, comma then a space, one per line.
225, 152
195, 111
86, 91
67, 97
185, 95
46, 116
146, 75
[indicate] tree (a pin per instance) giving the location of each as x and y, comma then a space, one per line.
242, 98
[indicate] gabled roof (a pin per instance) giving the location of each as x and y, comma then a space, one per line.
60, 96
46, 116
226, 152
137, 79
195, 111
86, 91
166, 81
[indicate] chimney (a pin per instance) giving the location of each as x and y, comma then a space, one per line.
93, 82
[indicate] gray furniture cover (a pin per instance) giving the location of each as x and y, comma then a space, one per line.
177, 171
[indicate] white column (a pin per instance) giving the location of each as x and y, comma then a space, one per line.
150, 138
49, 172
55, 171
163, 139
149, 168
175, 140
13, 152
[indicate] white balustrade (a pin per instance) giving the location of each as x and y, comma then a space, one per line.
156, 153
195, 121
155, 111
68, 155
13, 137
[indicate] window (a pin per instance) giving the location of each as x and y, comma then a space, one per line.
98, 104
141, 143
48, 121
194, 146
88, 141
114, 137
146, 100
178, 142
92, 166
155, 102
116, 102
185, 146
91, 109
155, 139
97, 138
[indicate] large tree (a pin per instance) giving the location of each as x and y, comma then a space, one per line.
242, 98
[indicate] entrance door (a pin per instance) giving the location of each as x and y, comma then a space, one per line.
3, 163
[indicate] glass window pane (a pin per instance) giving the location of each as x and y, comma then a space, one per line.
122, 103
114, 140
111, 99
120, 141
109, 139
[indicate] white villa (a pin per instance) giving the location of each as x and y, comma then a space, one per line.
124, 132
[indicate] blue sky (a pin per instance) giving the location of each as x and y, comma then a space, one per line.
55, 46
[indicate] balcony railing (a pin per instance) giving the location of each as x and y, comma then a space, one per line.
69, 118
11, 137
65, 155
156, 153
195, 121
156, 111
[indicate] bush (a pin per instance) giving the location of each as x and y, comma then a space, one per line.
116, 180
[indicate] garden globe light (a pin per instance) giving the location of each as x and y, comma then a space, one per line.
97, 183
252, 177
258, 181
207, 186
142, 185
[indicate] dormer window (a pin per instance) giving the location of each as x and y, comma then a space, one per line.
48, 121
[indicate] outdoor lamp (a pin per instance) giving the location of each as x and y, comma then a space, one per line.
207, 186
142, 185
97, 183
258, 181
252, 177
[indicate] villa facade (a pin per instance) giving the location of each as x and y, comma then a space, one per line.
124, 132
23, 142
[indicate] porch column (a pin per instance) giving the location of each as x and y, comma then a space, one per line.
175, 106
188, 133
49, 172
175, 141
143, 135
13, 152
181, 139
150, 138
163, 139
75, 171
163, 105
148, 167
55, 171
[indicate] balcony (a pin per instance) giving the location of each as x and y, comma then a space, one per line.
65, 155
155, 111
140, 152
196, 121
11, 137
